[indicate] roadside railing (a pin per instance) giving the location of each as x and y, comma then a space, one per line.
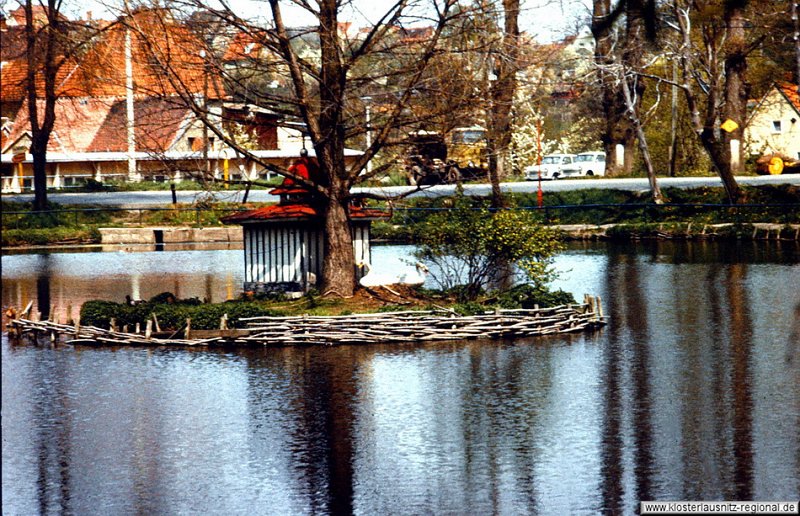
598, 214
197, 216
595, 214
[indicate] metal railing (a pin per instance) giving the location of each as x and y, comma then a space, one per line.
598, 214
97, 216
560, 214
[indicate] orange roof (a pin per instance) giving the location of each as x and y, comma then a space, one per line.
13, 43
99, 124
243, 46
157, 122
14, 77
789, 91
166, 61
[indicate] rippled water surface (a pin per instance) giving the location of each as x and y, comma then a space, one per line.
691, 392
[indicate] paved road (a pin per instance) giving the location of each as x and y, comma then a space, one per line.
163, 198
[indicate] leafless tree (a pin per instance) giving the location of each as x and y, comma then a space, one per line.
54, 45
501, 95
322, 74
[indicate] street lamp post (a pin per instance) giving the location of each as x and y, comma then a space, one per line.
539, 194
367, 101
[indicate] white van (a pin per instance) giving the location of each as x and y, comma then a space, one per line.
553, 166
591, 163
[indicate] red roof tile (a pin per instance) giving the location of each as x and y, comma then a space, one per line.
14, 77
166, 61
77, 121
789, 90
12, 43
99, 124
157, 122
243, 46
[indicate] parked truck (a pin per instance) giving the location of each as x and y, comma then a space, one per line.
434, 159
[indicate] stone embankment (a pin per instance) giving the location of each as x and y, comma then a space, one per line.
170, 235
683, 231
749, 231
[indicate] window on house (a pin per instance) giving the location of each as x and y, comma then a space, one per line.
192, 141
776, 126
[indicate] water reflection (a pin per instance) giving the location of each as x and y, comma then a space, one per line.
687, 394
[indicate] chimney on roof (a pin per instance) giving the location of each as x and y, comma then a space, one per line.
88, 16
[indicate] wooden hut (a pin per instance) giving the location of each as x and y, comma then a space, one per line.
284, 243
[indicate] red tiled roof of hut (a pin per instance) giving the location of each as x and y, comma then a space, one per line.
288, 190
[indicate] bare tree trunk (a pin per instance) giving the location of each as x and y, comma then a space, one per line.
735, 107
337, 267
618, 131
502, 95
655, 190
41, 48
717, 147
673, 129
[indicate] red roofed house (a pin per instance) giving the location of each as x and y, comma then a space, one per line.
283, 243
90, 140
774, 125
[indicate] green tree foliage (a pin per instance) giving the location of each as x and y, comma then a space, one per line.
470, 247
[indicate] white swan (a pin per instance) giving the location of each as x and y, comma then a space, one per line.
373, 279
415, 277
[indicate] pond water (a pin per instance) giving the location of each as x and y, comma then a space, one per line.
691, 392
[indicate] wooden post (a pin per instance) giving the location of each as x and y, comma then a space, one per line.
149, 331
27, 310
124, 328
138, 328
155, 320
188, 327
113, 324
599, 307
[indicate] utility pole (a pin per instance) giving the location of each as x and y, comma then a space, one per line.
206, 164
130, 124
367, 101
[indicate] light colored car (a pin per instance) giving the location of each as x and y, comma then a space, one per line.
553, 166
591, 163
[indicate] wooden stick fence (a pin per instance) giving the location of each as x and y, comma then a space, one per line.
305, 330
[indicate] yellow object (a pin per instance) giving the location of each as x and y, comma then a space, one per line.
775, 165
225, 171
729, 125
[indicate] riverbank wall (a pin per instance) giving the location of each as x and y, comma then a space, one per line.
749, 231
682, 231
169, 235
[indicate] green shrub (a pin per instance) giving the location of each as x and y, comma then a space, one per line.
478, 247
171, 315
21, 237
528, 296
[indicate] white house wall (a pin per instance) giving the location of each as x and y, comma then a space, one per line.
761, 135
